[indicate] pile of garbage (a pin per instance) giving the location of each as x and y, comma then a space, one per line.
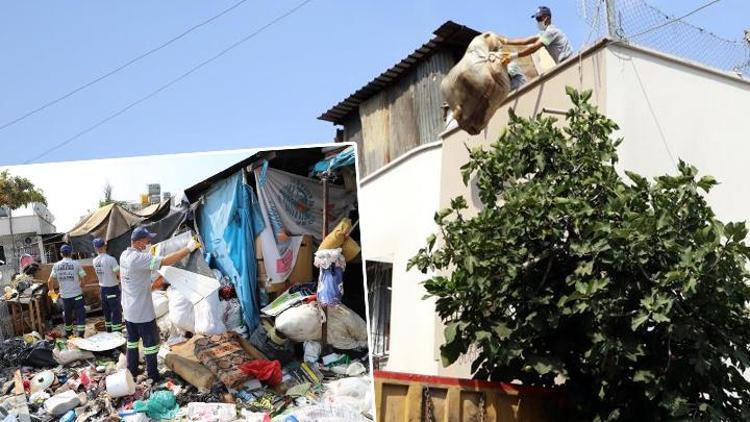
211, 367
221, 377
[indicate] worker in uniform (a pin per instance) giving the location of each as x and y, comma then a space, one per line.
136, 268
107, 271
68, 274
550, 37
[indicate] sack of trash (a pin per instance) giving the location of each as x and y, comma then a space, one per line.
476, 86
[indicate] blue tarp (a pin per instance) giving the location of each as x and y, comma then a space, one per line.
342, 159
229, 220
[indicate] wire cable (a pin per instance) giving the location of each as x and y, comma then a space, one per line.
120, 67
671, 21
168, 84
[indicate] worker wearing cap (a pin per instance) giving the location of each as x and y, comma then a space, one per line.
136, 267
68, 274
107, 271
550, 37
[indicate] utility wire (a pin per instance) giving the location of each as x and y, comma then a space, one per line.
671, 21
119, 68
169, 84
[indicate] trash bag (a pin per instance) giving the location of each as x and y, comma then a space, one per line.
161, 303
208, 316
264, 370
476, 86
331, 285
346, 329
181, 310
326, 413
161, 405
232, 314
353, 392
39, 355
301, 323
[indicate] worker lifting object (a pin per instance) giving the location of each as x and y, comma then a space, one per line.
476, 86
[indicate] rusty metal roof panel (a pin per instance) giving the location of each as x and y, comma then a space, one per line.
449, 33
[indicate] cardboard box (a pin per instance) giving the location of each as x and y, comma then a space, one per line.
303, 267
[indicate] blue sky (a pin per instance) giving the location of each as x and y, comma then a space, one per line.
267, 92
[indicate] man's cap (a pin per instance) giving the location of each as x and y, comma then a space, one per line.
141, 233
98, 242
66, 249
542, 11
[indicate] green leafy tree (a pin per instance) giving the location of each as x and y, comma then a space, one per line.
630, 289
17, 192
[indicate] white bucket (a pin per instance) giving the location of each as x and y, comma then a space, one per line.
120, 384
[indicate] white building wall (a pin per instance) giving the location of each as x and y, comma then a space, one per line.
700, 116
397, 206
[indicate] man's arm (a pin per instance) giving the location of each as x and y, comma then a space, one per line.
49, 282
523, 53
520, 41
177, 256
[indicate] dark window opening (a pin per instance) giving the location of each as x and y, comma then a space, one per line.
379, 277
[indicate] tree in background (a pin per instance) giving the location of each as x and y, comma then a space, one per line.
630, 290
108, 196
17, 192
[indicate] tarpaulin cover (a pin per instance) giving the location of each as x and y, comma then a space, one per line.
228, 224
164, 227
295, 203
111, 222
342, 159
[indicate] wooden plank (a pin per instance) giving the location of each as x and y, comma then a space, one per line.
414, 403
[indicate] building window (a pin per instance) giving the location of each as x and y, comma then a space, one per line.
379, 276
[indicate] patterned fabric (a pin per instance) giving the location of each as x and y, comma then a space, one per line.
223, 355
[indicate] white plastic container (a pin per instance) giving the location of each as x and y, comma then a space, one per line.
120, 384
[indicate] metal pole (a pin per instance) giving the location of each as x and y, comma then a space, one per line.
324, 179
612, 20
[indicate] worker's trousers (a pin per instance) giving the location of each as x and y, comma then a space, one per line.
112, 308
74, 312
149, 333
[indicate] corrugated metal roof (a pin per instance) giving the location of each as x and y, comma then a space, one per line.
448, 34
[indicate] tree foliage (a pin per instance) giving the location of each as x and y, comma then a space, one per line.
629, 288
107, 198
17, 192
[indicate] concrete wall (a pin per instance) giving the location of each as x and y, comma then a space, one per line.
669, 110
397, 205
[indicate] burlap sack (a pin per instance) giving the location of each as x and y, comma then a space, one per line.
476, 86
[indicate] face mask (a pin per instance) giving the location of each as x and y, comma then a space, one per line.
541, 26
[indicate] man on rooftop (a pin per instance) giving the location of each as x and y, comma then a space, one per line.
550, 37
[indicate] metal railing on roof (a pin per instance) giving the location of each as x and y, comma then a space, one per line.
639, 23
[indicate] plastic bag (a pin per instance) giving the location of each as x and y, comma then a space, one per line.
161, 303
476, 86
312, 351
161, 405
301, 323
354, 392
324, 413
346, 329
264, 370
208, 316
64, 357
181, 310
232, 314
212, 412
